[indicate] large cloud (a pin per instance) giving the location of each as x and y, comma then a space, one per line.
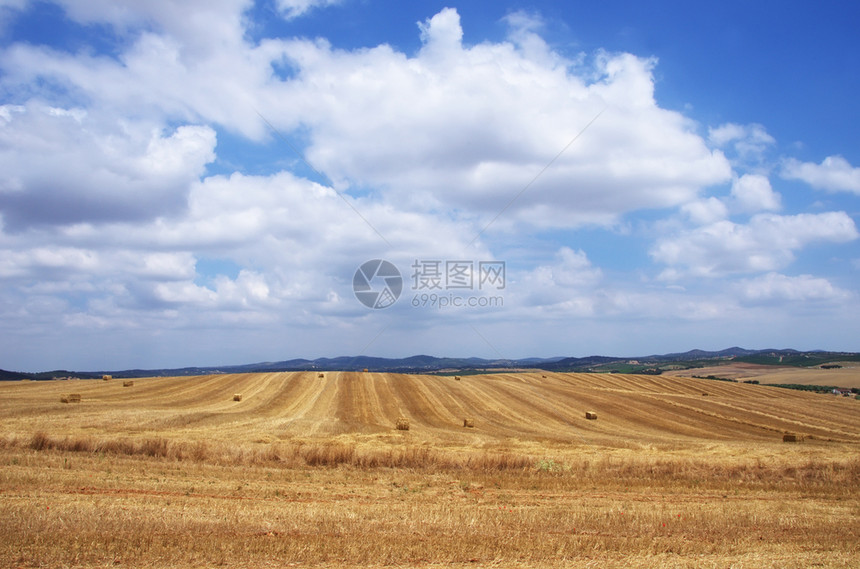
775, 287
767, 243
293, 244
470, 126
60, 167
453, 127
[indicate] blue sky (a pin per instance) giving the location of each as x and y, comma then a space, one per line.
197, 183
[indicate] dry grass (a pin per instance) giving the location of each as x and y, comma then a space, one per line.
89, 508
294, 454
803, 473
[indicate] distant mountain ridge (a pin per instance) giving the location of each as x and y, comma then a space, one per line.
433, 364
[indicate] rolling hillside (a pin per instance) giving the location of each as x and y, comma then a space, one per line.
548, 408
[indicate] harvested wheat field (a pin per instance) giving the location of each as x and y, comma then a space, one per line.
313, 471
846, 376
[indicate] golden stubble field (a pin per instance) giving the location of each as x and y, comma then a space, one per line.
846, 376
310, 471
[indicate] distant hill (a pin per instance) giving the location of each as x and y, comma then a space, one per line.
653, 364
60, 373
733, 352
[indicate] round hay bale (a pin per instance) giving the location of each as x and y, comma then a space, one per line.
402, 424
127, 383
456, 378
591, 416
792, 438
237, 397
71, 398
321, 375
107, 377
468, 423
365, 370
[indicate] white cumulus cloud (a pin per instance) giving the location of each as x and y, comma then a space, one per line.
60, 167
705, 211
834, 174
748, 143
469, 127
565, 287
767, 243
773, 287
454, 126
753, 193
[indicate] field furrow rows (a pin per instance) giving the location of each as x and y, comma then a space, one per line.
538, 406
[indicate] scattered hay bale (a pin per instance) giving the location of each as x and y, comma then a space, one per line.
402, 424
237, 397
107, 377
792, 438
71, 398
457, 378
127, 383
468, 423
590, 415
